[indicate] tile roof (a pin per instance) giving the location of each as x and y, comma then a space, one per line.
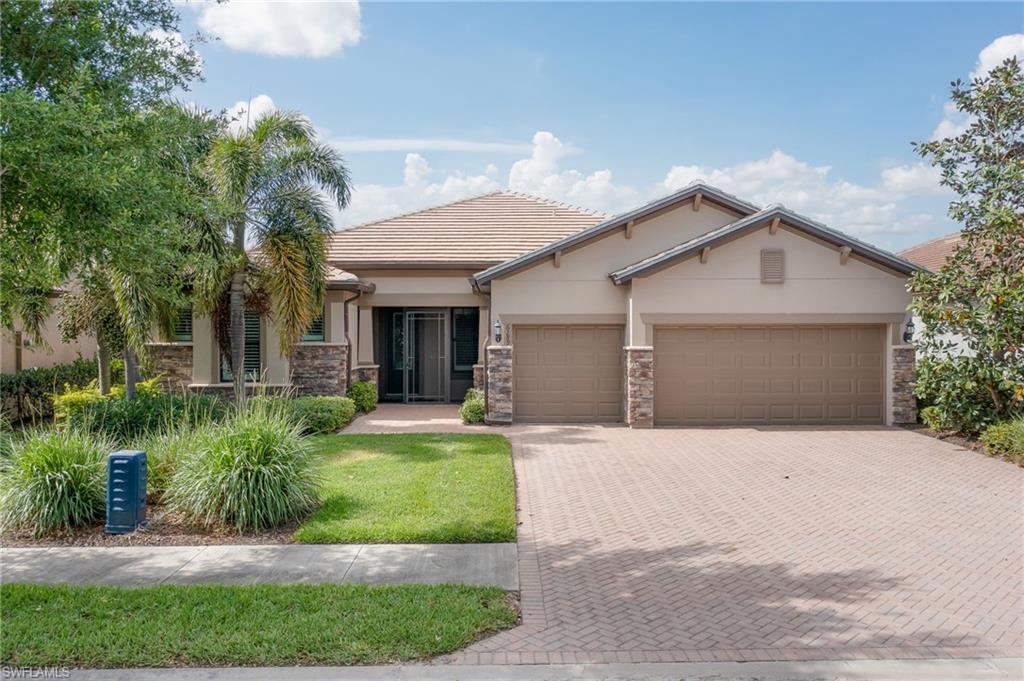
474, 233
932, 254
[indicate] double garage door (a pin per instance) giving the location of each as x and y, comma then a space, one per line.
704, 375
729, 375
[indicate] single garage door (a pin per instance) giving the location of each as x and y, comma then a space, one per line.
726, 375
567, 373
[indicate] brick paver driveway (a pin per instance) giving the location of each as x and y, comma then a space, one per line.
753, 544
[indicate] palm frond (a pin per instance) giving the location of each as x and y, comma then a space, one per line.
294, 275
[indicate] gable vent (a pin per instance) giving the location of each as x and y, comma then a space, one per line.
773, 266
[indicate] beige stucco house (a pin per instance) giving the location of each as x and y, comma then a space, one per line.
699, 308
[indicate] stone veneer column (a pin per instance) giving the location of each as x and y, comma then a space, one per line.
320, 369
904, 375
366, 372
499, 384
639, 387
174, 362
479, 376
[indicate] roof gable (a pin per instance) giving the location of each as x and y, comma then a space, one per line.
471, 233
751, 223
691, 192
932, 254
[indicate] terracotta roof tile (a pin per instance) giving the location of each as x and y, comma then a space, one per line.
474, 232
932, 254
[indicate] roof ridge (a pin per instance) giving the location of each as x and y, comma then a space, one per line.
421, 210
555, 203
951, 235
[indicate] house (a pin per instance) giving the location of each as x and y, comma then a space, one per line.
699, 308
18, 351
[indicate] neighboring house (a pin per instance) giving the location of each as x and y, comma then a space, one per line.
932, 255
18, 352
696, 309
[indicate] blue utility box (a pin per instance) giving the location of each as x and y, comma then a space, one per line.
126, 491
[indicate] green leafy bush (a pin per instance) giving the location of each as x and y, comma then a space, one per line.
364, 394
1006, 439
473, 407
321, 414
55, 479
126, 420
251, 472
933, 418
960, 389
26, 394
74, 400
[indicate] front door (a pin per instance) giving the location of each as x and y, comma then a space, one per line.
426, 356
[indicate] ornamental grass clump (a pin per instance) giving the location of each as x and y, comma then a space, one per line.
54, 480
252, 472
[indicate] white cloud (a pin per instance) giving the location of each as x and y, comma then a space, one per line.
375, 201
998, 51
954, 122
285, 29
351, 145
807, 189
245, 112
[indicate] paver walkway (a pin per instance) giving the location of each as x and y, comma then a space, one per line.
413, 418
761, 544
481, 564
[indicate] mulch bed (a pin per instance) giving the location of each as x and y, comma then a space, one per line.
947, 436
163, 528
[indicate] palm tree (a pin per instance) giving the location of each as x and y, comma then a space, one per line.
273, 181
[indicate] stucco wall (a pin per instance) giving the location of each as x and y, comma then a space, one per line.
580, 283
730, 284
40, 356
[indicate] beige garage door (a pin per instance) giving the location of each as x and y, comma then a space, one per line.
725, 375
567, 374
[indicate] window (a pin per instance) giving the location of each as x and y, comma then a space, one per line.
773, 266
465, 337
315, 332
183, 326
253, 368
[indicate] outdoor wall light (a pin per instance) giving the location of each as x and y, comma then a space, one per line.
908, 333
497, 331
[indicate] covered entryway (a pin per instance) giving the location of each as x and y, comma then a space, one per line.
776, 375
570, 373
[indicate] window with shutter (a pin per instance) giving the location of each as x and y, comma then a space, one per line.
183, 326
773, 266
315, 332
465, 337
253, 367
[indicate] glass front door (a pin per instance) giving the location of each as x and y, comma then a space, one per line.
425, 356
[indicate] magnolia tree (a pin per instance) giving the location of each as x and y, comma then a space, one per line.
977, 296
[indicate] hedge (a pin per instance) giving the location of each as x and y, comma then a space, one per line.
26, 394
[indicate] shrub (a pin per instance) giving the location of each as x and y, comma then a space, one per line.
26, 394
164, 450
933, 418
125, 420
473, 407
74, 400
55, 480
1006, 439
364, 394
252, 472
321, 414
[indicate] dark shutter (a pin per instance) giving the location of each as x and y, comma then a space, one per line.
315, 332
253, 368
183, 325
466, 337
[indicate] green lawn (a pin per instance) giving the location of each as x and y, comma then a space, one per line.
394, 489
165, 626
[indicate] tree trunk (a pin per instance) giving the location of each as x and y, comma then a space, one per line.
238, 335
103, 364
131, 374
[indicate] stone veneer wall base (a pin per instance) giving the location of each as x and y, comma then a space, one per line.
174, 362
499, 385
904, 377
319, 369
639, 386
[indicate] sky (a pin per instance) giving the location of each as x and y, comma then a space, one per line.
610, 105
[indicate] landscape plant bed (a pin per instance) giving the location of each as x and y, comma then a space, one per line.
207, 625
406, 488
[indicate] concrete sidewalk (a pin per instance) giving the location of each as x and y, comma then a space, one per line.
480, 564
851, 670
